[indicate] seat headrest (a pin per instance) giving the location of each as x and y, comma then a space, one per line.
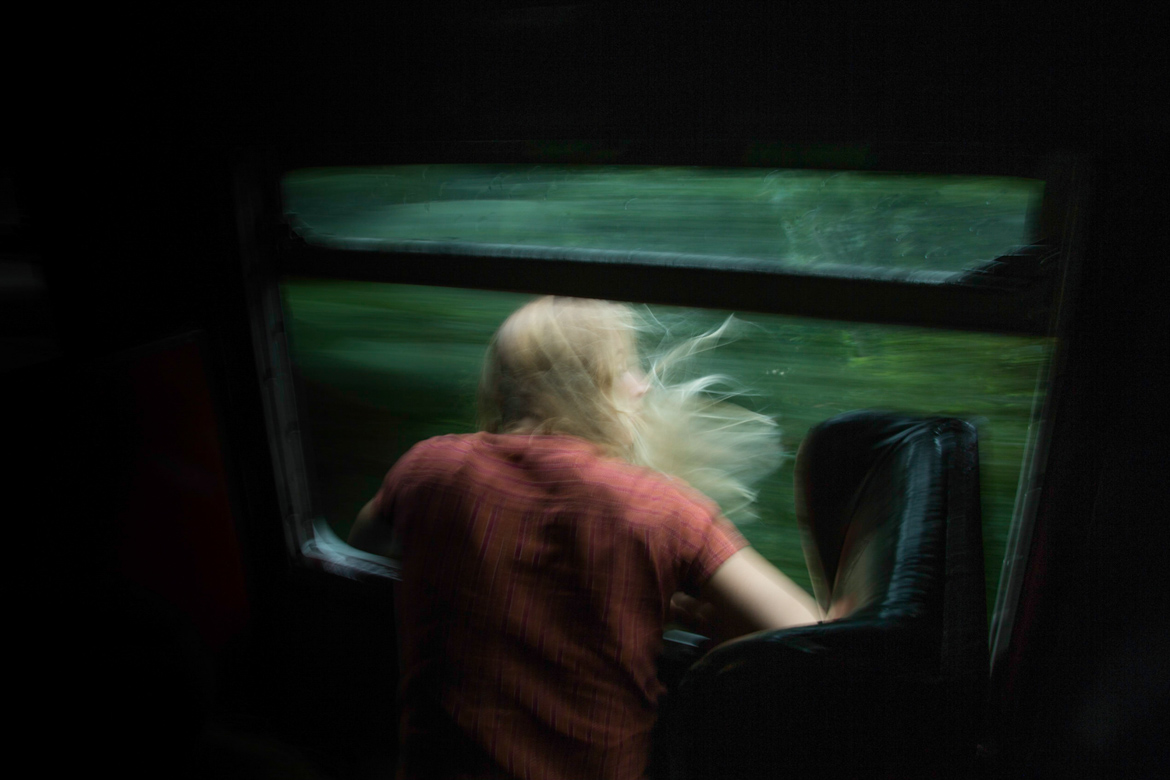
870, 500
889, 509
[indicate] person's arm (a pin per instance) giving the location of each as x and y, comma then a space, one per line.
748, 594
372, 533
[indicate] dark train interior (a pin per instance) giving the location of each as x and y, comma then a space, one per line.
173, 624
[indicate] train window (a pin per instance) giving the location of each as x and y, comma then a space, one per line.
924, 292
382, 366
738, 217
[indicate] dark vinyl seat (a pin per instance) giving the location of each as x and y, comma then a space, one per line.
889, 509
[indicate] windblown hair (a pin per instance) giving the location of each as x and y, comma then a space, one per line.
557, 366
692, 429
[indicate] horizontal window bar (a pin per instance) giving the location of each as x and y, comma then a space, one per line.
893, 296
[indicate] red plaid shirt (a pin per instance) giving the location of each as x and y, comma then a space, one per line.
536, 580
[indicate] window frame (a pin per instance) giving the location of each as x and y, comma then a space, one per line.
1026, 293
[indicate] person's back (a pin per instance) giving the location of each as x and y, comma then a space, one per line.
539, 564
537, 576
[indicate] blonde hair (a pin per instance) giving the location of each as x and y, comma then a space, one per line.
691, 429
557, 364
554, 366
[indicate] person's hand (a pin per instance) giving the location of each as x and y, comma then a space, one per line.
841, 607
690, 613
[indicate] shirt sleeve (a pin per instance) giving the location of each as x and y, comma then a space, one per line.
397, 478
708, 540
389, 502
722, 541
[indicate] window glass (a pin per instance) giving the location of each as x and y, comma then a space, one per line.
737, 217
383, 366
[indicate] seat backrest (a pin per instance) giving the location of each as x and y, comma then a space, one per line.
889, 511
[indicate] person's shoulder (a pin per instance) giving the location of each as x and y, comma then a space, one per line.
440, 453
450, 442
647, 492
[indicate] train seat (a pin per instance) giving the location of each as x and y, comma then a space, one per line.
889, 512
